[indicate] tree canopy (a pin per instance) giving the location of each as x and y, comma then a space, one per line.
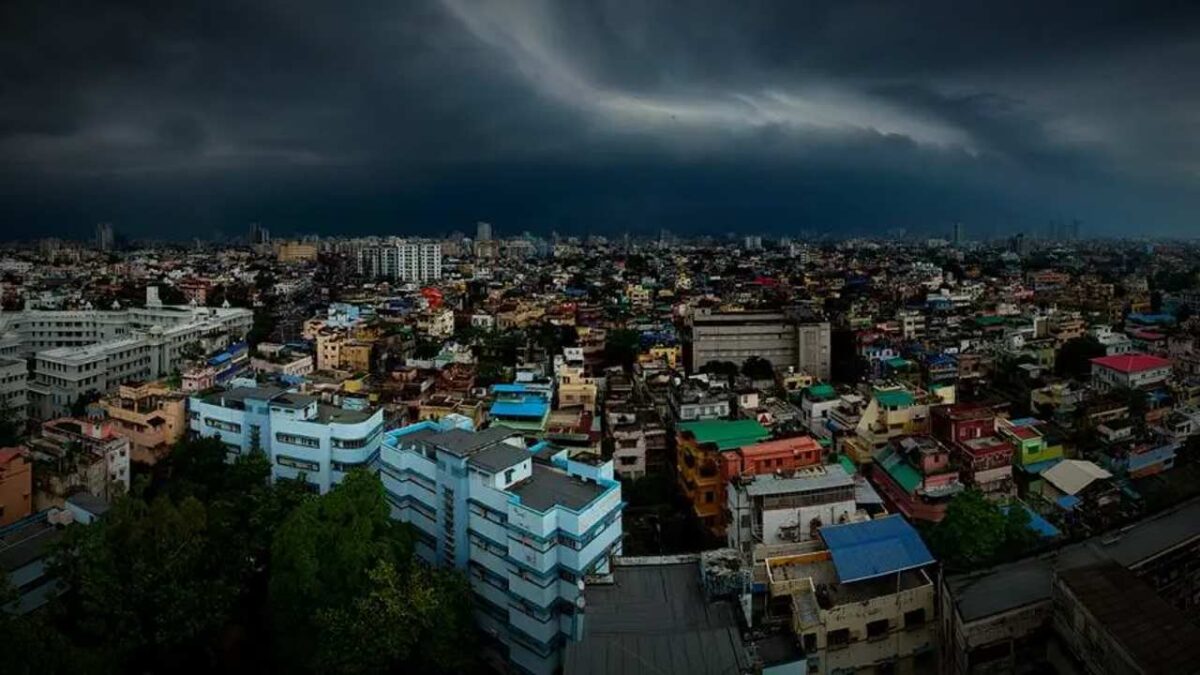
1075, 357
977, 532
201, 568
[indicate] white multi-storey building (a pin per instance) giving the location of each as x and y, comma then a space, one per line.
777, 509
401, 260
529, 525
303, 437
13, 373
76, 352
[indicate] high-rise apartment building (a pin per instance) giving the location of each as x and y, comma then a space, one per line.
104, 236
528, 525
403, 261
483, 231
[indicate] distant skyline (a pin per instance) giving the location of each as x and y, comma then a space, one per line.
181, 119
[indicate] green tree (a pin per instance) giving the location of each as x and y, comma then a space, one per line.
10, 427
148, 587
1075, 357
758, 368
977, 532
971, 534
621, 347
725, 369
339, 564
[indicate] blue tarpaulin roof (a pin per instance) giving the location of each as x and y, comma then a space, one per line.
528, 408
509, 388
875, 548
1037, 523
1068, 502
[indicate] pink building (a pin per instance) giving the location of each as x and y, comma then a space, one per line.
915, 476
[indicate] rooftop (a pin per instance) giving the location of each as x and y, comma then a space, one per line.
894, 398
336, 415
726, 434
1132, 362
1157, 636
875, 548
980, 595
654, 620
459, 442
549, 487
499, 457
802, 480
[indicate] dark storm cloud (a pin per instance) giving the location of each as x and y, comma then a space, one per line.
372, 115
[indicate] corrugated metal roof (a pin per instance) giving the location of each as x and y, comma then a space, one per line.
875, 548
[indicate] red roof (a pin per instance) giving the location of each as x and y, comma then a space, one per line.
9, 454
1132, 362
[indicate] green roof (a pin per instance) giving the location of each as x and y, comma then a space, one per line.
897, 362
989, 320
726, 434
894, 398
900, 471
847, 464
822, 391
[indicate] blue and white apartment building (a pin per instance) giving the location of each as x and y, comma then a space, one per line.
528, 525
300, 435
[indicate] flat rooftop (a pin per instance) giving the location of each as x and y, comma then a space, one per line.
654, 620
336, 415
979, 595
1156, 635
549, 487
499, 457
459, 442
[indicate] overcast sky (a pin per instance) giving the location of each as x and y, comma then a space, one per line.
188, 118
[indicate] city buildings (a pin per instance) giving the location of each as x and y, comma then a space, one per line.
152, 416
79, 454
80, 352
529, 525
863, 602
788, 506
302, 437
1002, 619
1133, 370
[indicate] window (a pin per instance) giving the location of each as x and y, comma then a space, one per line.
708, 497
915, 618
297, 463
296, 439
810, 643
877, 629
838, 638
508, 476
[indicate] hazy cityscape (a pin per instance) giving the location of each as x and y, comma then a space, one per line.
638, 338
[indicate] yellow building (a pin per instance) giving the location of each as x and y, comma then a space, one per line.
355, 357
892, 411
152, 416
295, 251
851, 621
671, 355
329, 350
575, 390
